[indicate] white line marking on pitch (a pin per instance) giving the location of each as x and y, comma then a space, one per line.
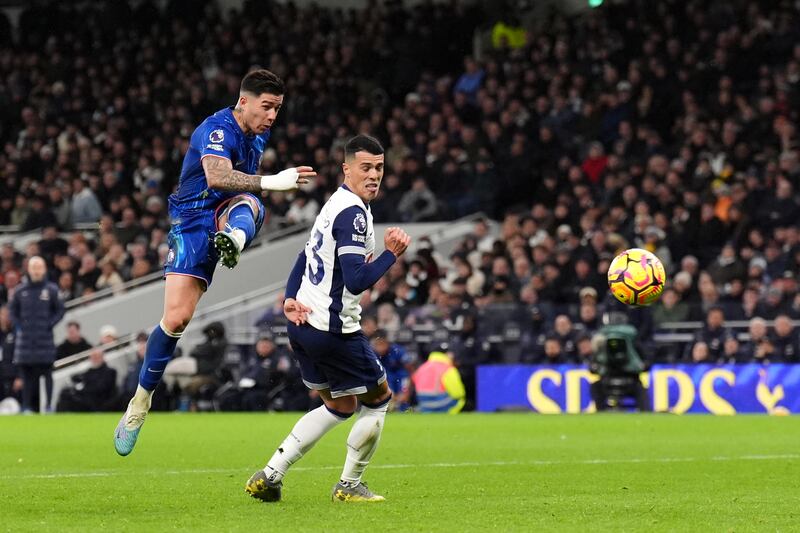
110, 473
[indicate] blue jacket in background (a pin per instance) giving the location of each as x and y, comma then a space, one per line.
35, 309
394, 362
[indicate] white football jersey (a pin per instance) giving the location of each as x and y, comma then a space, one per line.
343, 226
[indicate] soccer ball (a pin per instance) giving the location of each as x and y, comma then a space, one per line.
636, 277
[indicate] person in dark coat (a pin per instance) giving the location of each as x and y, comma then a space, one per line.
200, 370
94, 390
785, 340
272, 381
9, 381
74, 342
35, 309
209, 356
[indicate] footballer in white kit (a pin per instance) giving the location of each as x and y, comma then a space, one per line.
322, 305
344, 226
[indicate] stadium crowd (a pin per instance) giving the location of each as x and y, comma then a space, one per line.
670, 127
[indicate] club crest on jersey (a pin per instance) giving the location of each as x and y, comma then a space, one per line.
216, 136
360, 223
170, 257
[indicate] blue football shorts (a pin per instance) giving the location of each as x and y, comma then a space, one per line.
345, 363
191, 240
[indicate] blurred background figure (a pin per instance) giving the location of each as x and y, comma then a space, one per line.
93, 390
10, 382
272, 381
437, 384
108, 334
73, 343
399, 366
35, 309
200, 369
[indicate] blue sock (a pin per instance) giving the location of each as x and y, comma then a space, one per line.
241, 217
160, 347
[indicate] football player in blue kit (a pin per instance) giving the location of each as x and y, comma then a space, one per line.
322, 305
215, 213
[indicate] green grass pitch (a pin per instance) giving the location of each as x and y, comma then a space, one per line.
472, 472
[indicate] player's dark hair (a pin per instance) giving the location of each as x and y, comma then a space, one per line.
362, 143
262, 81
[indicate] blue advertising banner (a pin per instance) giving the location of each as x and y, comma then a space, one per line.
721, 390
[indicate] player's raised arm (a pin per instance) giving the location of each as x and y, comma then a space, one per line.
358, 275
221, 176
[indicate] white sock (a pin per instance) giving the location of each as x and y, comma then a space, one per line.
239, 237
363, 441
305, 434
142, 399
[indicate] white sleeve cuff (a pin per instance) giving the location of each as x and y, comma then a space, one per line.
351, 250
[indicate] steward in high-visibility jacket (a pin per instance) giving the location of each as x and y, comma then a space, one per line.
438, 385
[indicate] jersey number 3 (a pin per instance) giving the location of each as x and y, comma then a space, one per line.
316, 277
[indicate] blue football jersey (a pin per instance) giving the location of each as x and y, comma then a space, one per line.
219, 135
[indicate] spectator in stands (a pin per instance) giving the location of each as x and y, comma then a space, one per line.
785, 340
731, 352
773, 302
272, 381
21, 210
35, 310
508, 33
589, 322
750, 306
554, 353
399, 367
670, 309
109, 278
713, 333
11, 280
88, 274
759, 347
66, 286
727, 267
60, 208
418, 204
369, 324
73, 342
108, 334
388, 318
564, 332
470, 81
52, 244
585, 351
709, 293
39, 215
85, 206
700, 353
10, 383
200, 368
303, 210
129, 228
274, 315
93, 390
474, 279
684, 288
